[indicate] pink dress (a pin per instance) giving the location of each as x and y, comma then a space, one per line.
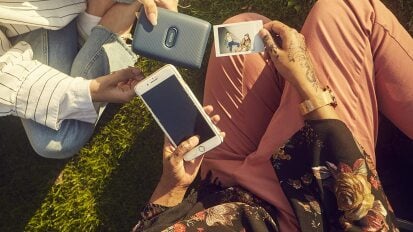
358, 48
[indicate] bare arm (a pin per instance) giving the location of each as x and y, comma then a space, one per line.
293, 62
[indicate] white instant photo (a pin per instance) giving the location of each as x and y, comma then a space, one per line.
238, 38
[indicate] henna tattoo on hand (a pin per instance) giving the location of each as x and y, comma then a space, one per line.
266, 39
310, 75
297, 52
274, 51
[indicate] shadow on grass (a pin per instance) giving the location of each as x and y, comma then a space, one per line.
132, 183
394, 163
25, 177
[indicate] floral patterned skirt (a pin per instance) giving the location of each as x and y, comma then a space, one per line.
211, 208
331, 184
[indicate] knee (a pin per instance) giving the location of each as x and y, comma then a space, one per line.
333, 10
243, 17
324, 11
326, 5
61, 144
57, 149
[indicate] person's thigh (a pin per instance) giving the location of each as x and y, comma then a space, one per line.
338, 41
362, 61
245, 91
56, 48
392, 49
339, 36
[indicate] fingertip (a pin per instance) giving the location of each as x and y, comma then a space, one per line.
135, 71
268, 25
194, 140
223, 134
215, 119
140, 78
153, 19
151, 11
263, 32
208, 109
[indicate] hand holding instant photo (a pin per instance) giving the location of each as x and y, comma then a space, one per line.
238, 38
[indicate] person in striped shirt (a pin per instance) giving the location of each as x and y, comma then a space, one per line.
56, 88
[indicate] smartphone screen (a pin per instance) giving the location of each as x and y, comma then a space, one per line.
176, 112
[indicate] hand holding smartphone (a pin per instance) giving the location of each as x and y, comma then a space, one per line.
177, 111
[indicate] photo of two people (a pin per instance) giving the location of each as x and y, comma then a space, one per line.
238, 38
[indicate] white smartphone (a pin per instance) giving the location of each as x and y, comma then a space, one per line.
177, 111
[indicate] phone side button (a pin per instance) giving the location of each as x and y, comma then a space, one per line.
201, 148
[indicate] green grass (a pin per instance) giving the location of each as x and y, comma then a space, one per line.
103, 187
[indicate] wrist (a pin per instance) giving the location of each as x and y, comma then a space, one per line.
305, 89
94, 90
323, 98
314, 99
167, 194
172, 186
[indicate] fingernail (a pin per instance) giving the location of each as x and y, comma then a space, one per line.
152, 19
262, 33
194, 140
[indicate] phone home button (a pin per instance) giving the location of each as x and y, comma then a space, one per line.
201, 148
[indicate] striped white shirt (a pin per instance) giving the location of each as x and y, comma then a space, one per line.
32, 90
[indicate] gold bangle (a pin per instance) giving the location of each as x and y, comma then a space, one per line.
324, 98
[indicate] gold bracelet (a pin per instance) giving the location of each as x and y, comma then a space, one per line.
324, 98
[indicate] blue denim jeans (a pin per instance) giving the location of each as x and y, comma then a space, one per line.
232, 43
103, 52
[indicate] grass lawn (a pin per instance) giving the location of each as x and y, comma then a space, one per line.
103, 187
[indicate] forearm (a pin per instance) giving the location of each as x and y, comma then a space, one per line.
177, 174
52, 98
38, 92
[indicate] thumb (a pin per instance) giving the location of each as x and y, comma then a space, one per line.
150, 10
184, 148
168, 4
